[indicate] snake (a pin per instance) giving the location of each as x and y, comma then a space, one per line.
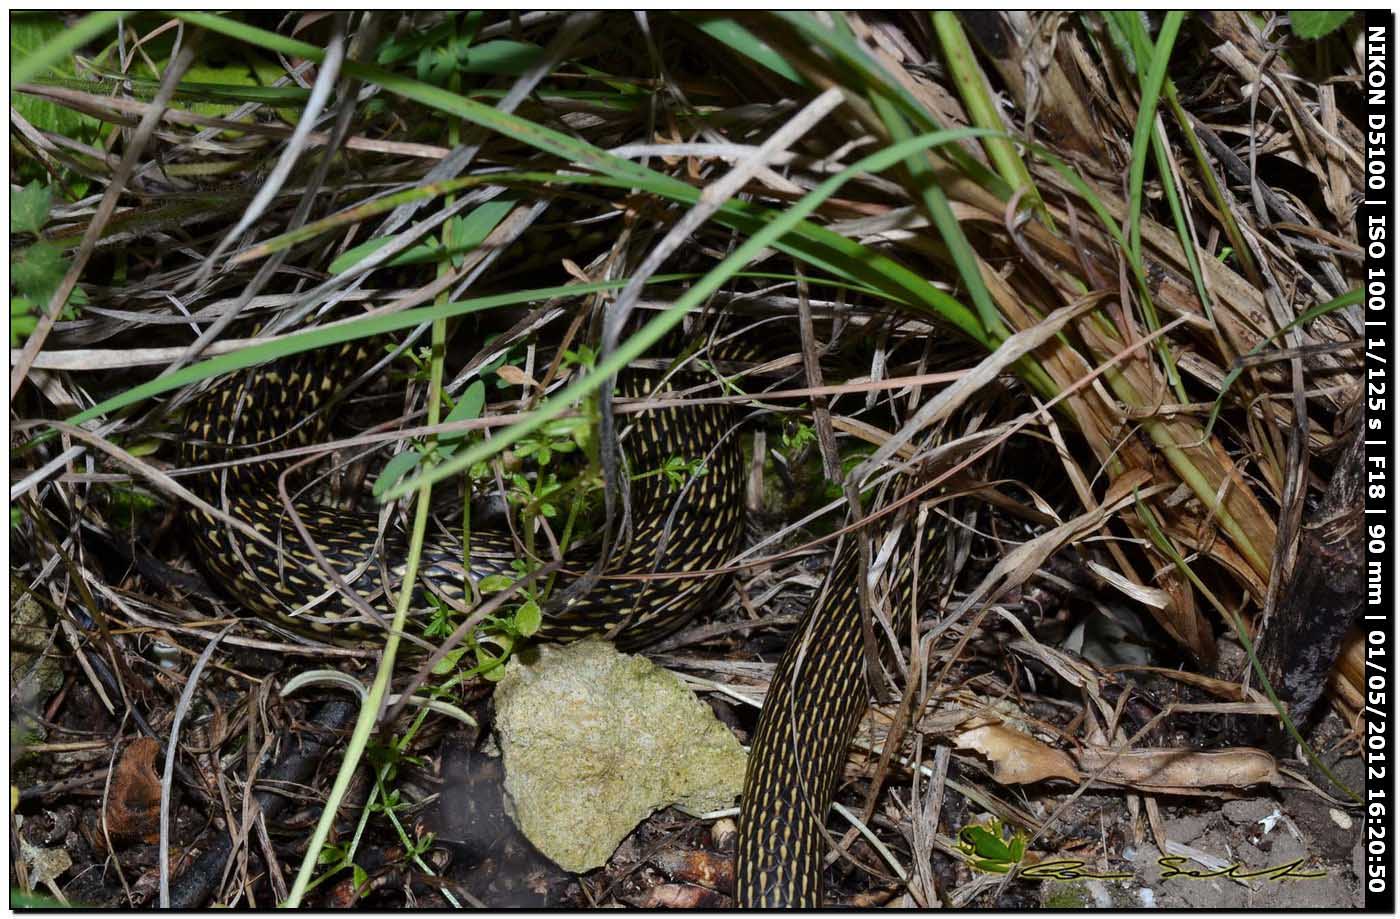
235, 431
694, 525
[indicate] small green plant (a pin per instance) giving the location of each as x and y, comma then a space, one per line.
127, 506
387, 801
1314, 24
680, 470
584, 357
336, 857
536, 493
849, 461
987, 849
465, 233
440, 622
534, 498
36, 270
798, 437
446, 51
500, 635
30, 32
467, 408
562, 435
494, 640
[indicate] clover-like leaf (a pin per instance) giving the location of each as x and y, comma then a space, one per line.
396, 469
29, 208
1315, 24
37, 270
528, 618
494, 583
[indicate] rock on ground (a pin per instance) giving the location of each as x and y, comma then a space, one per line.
594, 740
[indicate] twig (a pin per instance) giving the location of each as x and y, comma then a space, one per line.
172, 747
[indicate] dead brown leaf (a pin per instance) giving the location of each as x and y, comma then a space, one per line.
1181, 771
1017, 758
133, 802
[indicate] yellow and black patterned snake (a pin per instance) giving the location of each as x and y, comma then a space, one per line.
819, 689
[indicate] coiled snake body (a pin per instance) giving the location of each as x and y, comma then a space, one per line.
818, 692
694, 526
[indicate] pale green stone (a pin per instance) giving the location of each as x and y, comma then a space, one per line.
595, 740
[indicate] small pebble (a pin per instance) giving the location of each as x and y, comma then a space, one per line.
167, 657
1339, 818
723, 833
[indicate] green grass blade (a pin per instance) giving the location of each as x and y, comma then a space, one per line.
1147, 114
88, 28
872, 77
982, 108
1150, 90
841, 258
1212, 185
1143, 53
740, 39
450, 103
941, 213
1350, 298
312, 339
653, 331
827, 248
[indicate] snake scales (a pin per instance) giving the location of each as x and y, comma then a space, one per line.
818, 691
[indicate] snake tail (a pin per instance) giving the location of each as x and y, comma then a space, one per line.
816, 698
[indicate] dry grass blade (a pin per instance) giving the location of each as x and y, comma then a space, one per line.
172, 748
